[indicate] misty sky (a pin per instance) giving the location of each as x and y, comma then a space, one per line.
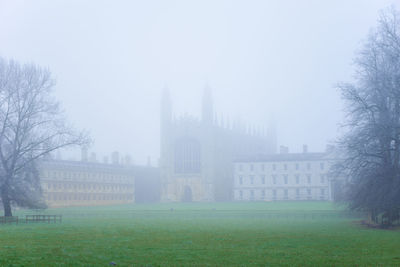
111, 60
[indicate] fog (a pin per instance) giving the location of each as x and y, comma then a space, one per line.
262, 59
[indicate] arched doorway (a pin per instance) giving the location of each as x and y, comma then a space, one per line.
187, 194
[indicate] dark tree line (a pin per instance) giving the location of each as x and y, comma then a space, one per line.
371, 147
32, 125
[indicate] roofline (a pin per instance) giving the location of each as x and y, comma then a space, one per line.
309, 156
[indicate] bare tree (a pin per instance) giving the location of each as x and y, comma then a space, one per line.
31, 126
372, 143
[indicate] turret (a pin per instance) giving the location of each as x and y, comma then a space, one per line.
207, 107
272, 136
166, 109
165, 130
84, 153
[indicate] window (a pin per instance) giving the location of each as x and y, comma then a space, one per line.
308, 166
240, 180
309, 178
322, 191
285, 179
286, 193
241, 194
187, 156
309, 192
322, 179
251, 179
251, 167
321, 165
297, 193
263, 179
297, 166
297, 179
240, 167
252, 194
274, 193
263, 194
274, 179
285, 167
274, 167
262, 167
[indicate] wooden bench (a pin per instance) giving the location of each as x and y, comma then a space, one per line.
43, 218
8, 219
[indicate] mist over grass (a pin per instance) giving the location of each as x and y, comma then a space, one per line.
230, 234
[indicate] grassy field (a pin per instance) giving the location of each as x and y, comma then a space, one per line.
213, 234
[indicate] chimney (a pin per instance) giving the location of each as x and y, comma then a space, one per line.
93, 157
305, 148
128, 160
84, 154
115, 158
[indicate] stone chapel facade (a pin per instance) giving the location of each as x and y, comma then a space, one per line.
197, 155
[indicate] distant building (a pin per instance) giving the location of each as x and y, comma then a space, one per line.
286, 176
196, 157
83, 183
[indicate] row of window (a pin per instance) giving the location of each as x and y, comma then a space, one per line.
83, 186
281, 179
78, 197
305, 192
67, 175
274, 167
187, 156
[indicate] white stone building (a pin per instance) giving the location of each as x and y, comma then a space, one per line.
285, 176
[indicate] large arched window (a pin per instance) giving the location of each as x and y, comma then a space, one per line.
187, 156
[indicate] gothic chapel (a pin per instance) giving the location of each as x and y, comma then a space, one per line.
197, 155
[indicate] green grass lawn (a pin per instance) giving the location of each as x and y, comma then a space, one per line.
214, 234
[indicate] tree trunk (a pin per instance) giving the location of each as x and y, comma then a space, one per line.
6, 201
373, 218
370, 217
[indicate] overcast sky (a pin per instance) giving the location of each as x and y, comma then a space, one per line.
111, 60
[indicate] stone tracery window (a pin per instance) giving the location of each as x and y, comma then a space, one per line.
187, 156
